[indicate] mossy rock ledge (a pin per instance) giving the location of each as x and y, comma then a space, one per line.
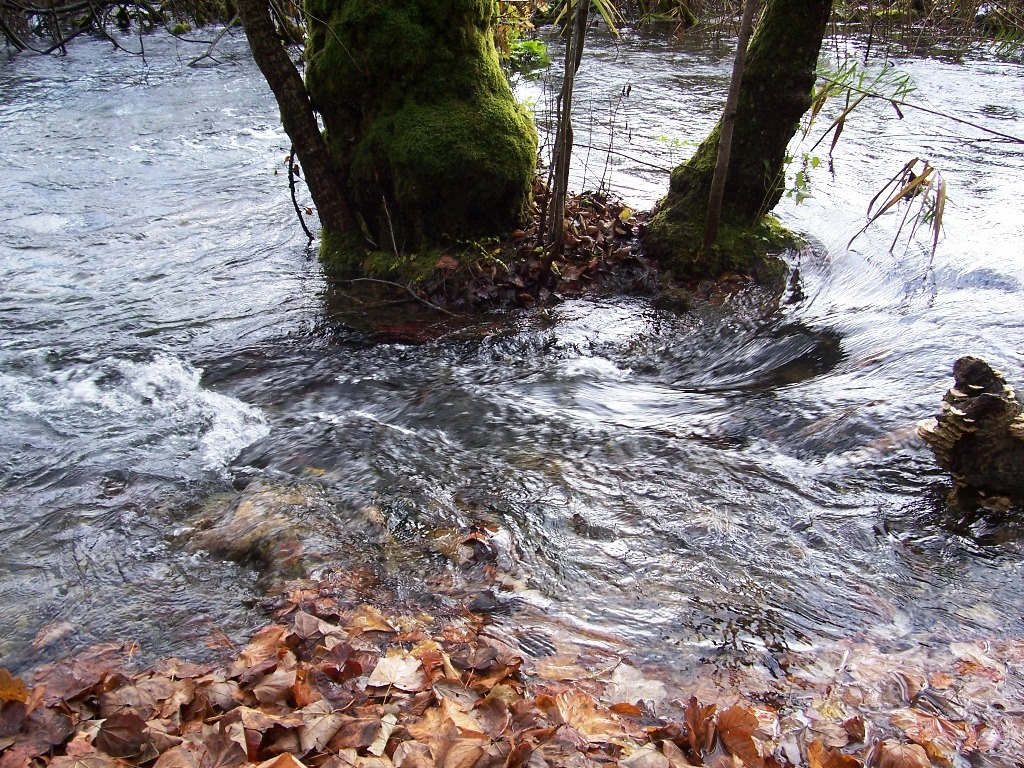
675, 241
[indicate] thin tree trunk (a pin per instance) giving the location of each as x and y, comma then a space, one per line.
563, 135
728, 123
297, 116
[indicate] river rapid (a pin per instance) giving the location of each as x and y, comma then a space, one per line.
716, 485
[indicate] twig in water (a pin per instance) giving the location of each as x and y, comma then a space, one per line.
408, 290
617, 153
291, 186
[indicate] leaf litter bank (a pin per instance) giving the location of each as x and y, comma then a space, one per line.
352, 673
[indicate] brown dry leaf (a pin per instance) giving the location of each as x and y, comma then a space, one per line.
627, 710
12, 720
287, 760
463, 753
452, 712
276, 687
80, 753
182, 756
309, 627
466, 697
45, 728
320, 723
896, 755
500, 673
176, 669
721, 759
520, 755
941, 738
163, 735
646, 756
494, 715
855, 729
218, 693
736, 727
413, 754
258, 720
220, 750
12, 688
143, 697
68, 679
975, 660
400, 671
346, 758
355, 733
675, 755
387, 726
983, 738
700, 728
941, 680
820, 756
123, 734
266, 645
831, 734
446, 263
184, 693
93, 760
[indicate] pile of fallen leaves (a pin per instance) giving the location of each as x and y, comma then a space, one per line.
339, 682
600, 250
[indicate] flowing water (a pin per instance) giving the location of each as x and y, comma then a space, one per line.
714, 484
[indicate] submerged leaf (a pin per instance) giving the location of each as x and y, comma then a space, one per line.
894, 755
12, 688
820, 756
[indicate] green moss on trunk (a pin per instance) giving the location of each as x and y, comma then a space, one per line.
419, 119
774, 94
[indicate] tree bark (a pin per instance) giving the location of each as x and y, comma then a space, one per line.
774, 94
717, 194
419, 119
297, 116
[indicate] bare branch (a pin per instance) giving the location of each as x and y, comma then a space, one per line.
213, 43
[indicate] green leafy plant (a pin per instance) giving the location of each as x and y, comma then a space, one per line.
854, 83
527, 57
799, 189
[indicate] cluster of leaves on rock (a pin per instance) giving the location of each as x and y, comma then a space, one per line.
344, 683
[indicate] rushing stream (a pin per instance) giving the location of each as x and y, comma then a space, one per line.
715, 482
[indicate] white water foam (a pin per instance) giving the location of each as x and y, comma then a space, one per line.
160, 403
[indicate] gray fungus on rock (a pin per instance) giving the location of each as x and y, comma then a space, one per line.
978, 436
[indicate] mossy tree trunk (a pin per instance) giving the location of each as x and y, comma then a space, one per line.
775, 92
420, 122
423, 143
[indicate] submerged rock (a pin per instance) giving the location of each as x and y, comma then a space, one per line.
978, 436
284, 531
